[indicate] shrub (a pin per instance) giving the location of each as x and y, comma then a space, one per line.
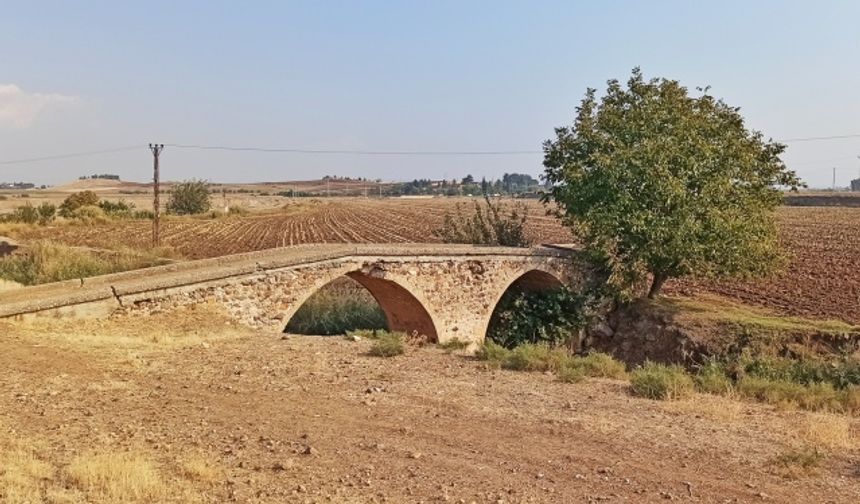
599, 365
490, 224
535, 357
118, 209
546, 316
571, 374
25, 214
493, 353
189, 198
88, 214
237, 210
78, 200
144, 214
387, 345
47, 213
712, 379
660, 381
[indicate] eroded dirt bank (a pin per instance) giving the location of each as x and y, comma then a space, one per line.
311, 419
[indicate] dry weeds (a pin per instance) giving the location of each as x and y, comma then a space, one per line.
117, 477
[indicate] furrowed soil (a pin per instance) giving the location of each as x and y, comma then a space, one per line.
820, 280
227, 414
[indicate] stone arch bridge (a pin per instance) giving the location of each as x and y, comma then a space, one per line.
442, 291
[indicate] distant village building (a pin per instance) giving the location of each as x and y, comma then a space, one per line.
855, 185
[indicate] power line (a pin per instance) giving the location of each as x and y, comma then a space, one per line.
71, 155
358, 152
815, 139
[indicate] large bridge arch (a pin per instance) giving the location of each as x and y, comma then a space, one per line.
404, 308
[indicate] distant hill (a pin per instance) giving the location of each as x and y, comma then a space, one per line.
100, 185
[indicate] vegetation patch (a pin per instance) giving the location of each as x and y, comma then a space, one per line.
387, 345
548, 316
117, 477
341, 306
799, 462
45, 261
661, 381
490, 223
542, 357
189, 198
453, 344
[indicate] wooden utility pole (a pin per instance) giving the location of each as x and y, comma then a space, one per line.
156, 206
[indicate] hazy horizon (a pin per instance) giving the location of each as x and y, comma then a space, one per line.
379, 76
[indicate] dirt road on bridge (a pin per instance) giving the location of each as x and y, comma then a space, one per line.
220, 413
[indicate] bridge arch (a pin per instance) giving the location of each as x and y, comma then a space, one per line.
529, 281
403, 309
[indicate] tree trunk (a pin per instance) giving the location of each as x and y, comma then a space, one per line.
657, 284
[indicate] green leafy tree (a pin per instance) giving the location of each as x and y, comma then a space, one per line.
189, 197
662, 184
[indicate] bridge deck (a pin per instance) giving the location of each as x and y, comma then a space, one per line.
79, 291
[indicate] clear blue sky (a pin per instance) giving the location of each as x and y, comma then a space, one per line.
452, 75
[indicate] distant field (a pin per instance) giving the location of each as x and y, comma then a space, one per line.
822, 198
305, 220
822, 280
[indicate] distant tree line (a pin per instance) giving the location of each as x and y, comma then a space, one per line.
509, 184
106, 176
17, 185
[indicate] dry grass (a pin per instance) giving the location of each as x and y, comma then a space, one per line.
798, 462
720, 409
191, 326
721, 309
117, 477
828, 431
22, 475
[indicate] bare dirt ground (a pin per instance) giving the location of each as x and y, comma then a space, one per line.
219, 413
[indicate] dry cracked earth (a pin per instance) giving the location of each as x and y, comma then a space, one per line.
273, 419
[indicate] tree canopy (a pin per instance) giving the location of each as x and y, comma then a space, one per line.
189, 197
661, 184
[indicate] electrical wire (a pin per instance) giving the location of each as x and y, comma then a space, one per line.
815, 139
71, 155
357, 152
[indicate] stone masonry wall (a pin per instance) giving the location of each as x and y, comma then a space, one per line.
457, 293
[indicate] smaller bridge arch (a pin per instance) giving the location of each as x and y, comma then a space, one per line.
531, 280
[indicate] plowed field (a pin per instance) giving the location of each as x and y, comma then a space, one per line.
336, 220
822, 279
